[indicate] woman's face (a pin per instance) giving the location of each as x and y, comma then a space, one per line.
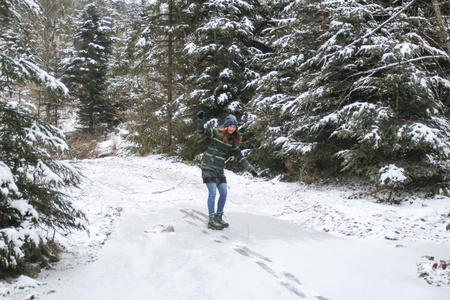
231, 129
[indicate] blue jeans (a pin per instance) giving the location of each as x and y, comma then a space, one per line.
212, 189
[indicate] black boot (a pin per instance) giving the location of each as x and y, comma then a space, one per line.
212, 224
220, 221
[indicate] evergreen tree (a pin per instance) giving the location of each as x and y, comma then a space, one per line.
87, 69
122, 81
31, 201
290, 37
368, 100
223, 48
157, 52
52, 31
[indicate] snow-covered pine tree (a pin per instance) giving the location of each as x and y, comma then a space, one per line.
32, 205
52, 29
123, 81
222, 49
370, 99
290, 37
86, 67
157, 52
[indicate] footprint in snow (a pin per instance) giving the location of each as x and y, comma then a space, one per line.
285, 279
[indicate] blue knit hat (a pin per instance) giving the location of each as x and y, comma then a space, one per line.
230, 120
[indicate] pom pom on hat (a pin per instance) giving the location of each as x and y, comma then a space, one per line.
230, 120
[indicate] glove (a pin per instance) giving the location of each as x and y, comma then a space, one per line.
201, 114
253, 172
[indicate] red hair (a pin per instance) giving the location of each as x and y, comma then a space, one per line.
237, 138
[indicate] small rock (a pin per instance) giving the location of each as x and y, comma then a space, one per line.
169, 228
391, 235
160, 229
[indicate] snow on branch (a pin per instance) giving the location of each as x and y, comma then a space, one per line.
227, 4
377, 28
353, 112
291, 145
392, 175
49, 135
32, 5
7, 184
420, 133
45, 78
47, 175
24, 208
372, 71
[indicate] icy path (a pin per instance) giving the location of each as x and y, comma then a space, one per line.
263, 255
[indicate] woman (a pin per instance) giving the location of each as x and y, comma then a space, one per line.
223, 142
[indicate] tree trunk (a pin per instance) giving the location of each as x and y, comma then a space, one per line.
441, 24
170, 77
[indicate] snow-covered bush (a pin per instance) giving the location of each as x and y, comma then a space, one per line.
392, 178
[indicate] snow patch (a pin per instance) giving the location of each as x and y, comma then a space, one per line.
24, 208
25, 282
7, 183
392, 174
129, 201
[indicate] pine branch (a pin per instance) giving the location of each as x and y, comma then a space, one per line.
397, 64
373, 71
373, 31
381, 25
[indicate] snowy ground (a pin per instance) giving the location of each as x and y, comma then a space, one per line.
286, 241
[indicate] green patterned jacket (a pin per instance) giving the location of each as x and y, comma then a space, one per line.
218, 150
